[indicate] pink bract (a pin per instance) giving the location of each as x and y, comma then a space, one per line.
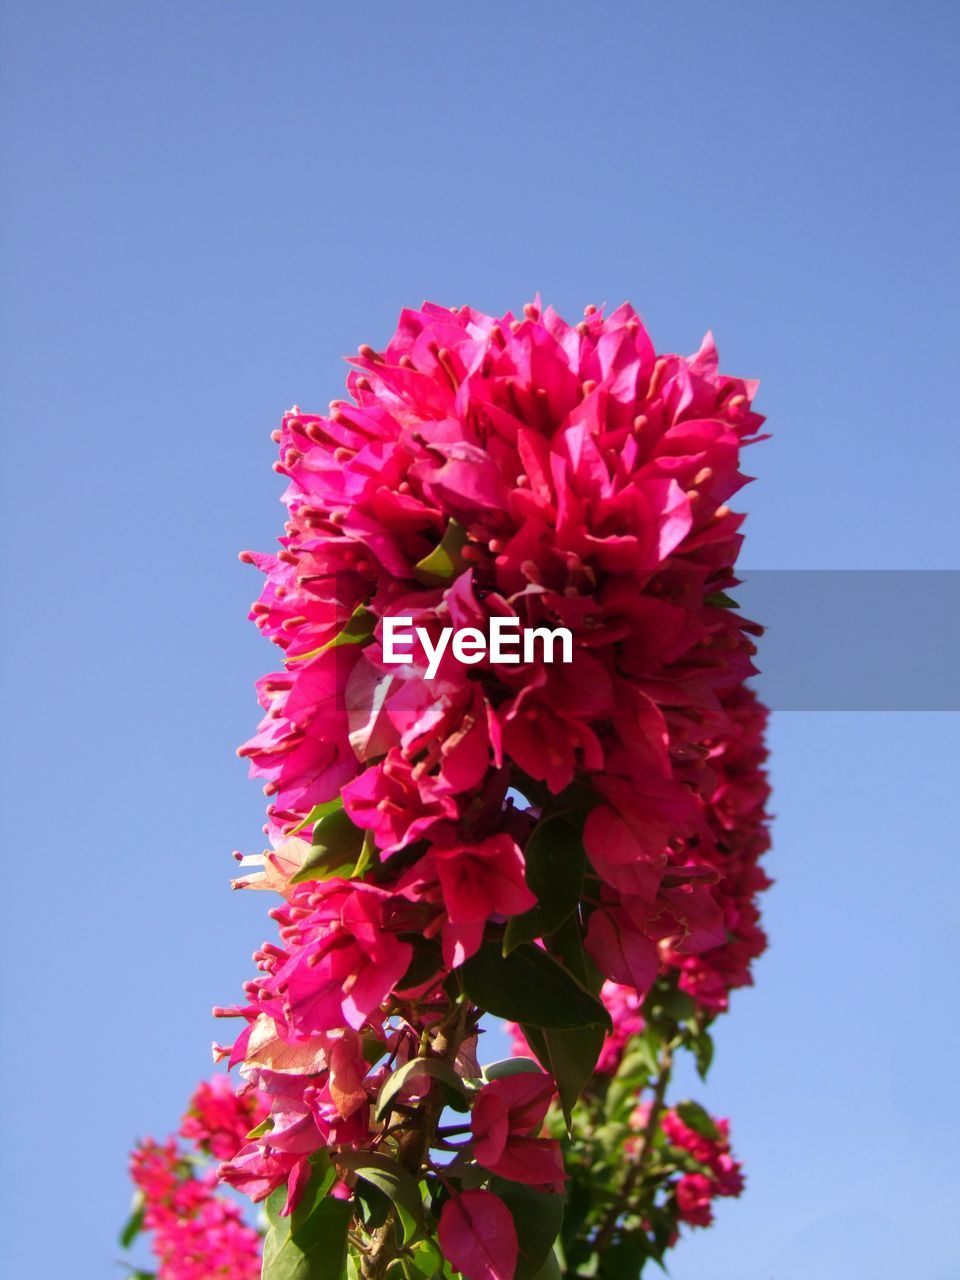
482, 467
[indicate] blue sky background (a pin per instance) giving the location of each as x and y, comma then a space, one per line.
206, 204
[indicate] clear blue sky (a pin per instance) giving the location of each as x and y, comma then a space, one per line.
206, 204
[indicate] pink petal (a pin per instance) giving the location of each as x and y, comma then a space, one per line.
478, 1237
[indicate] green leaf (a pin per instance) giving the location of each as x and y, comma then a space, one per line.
455, 1092
366, 856
624, 1259
358, 629
566, 943
667, 1008
134, 1224
538, 1217
337, 844
696, 1118
555, 862
374, 1207
259, 1130
510, 1067
638, 1066
373, 1049
317, 812
426, 1259
663, 1225
426, 962
314, 1249
551, 1268
720, 600
394, 1181
531, 988
570, 1057
445, 562
322, 1177
678, 1004
701, 1042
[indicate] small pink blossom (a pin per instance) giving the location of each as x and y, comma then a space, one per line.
344, 961
694, 1194
218, 1119
507, 1117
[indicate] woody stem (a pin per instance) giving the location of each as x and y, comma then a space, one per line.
416, 1141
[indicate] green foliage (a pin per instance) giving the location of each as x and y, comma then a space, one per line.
425, 1260
551, 1268
453, 1089
427, 961
509, 1067
696, 1118
445, 562
530, 987
537, 1217
358, 629
317, 812
322, 1177
700, 1042
555, 862
335, 850
309, 1245
395, 1182
569, 1056
720, 600
134, 1224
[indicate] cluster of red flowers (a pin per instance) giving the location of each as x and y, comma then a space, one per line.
739, 836
566, 843
734, 812
719, 1175
497, 467
197, 1233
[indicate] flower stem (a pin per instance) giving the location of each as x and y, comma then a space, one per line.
634, 1173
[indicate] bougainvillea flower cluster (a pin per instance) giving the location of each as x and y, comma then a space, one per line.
571, 845
197, 1233
719, 1173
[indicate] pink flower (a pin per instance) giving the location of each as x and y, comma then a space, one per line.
344, 961
196, 1233
478, 1236
482, 880
259, 1168
738, 825
620, 949
302, 745
694, 1194
389, 800
713, 1152
471, 883
218, 1119
507, 1116
317, 1101
487, 467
